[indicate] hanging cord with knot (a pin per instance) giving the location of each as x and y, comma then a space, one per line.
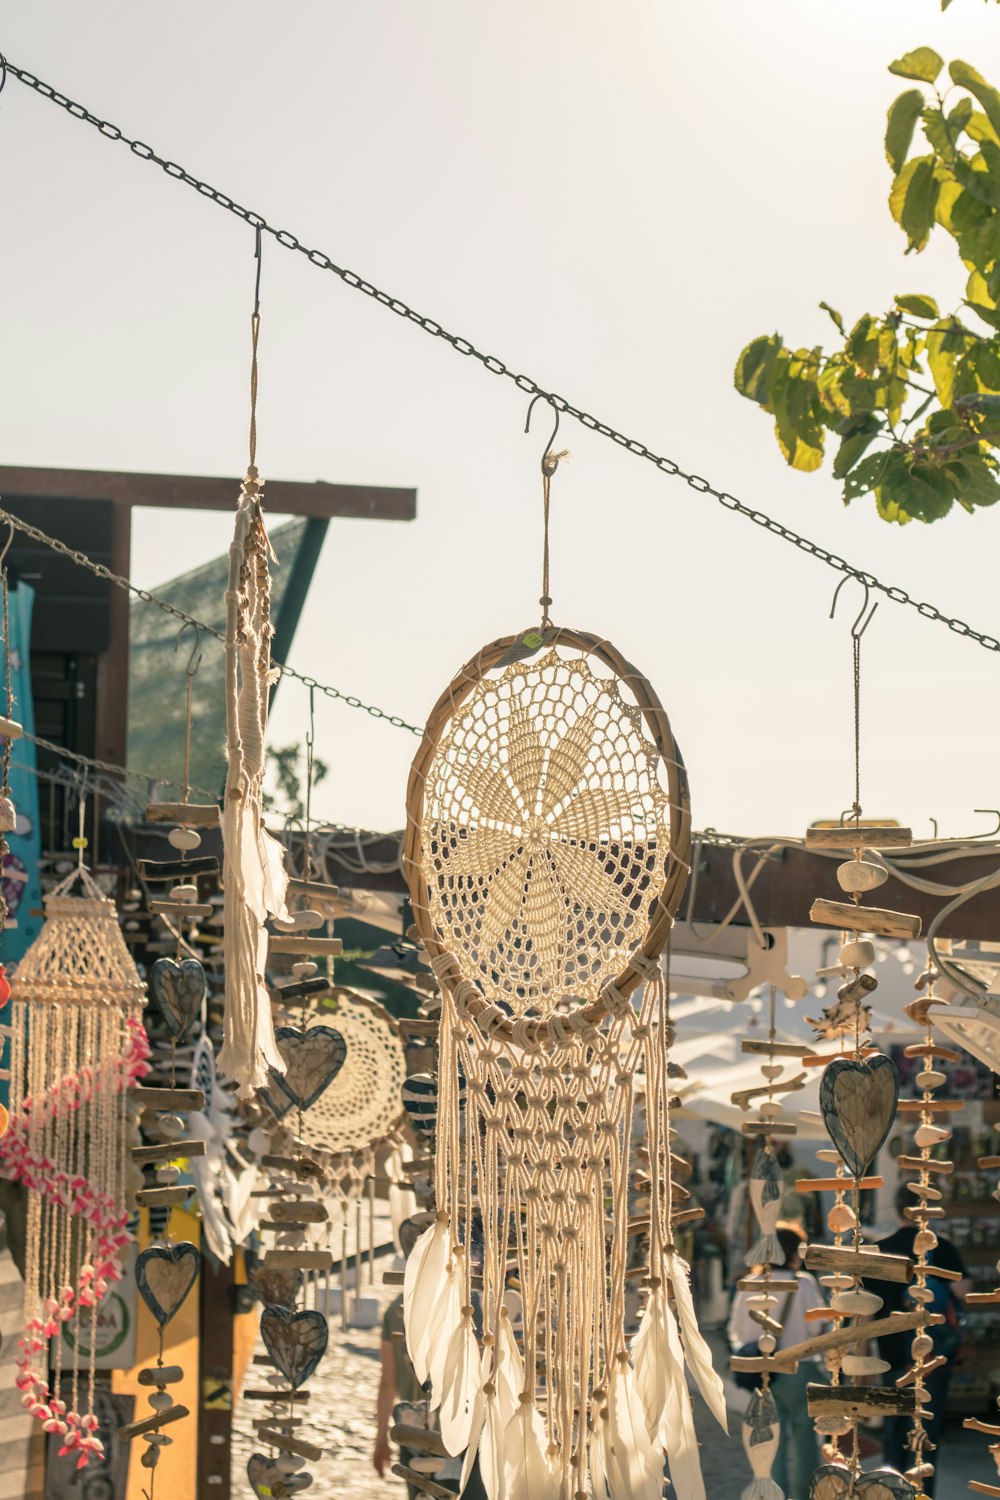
550, 462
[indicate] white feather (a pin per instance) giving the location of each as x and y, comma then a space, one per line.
462, 1385
477, 1422
696, 1351
598, 1458
423, 1286
635, 1465
491, 1451
444, 1322
651, 1360
683, 1455
509, 1372
526, 1469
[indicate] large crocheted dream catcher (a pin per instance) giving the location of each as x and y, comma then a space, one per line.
548, 834
79, 1045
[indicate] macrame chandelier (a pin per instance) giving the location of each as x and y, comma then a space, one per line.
80, 1045
547, 841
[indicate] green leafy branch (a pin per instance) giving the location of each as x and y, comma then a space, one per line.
911, 396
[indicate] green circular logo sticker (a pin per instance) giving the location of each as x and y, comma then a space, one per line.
105, 1327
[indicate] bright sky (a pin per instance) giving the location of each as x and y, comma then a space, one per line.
612, 198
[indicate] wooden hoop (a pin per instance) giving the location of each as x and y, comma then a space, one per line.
668, 898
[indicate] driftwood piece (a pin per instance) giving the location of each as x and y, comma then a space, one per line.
859, 1401
780, 1049
922, 1164
769, 1127
868, 1261
854, 918
920, 1372
273, 1393
982, 1299
982, 1488
932, 1049
181, 909
757, 1364
302, 1209
835, 1184
319, 947
287, 1444
757, 1284
975, 1425
862, 836
161, 1375
422, 1484
150, 1424
744, 1097
299, 1260
178, 869
172, 1099
932, 1106
168, 1151
418, 1439
163, 1197
185, 814
842, 1338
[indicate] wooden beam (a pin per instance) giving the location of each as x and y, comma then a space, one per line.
202, 492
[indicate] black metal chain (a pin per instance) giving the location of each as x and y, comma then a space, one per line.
497, 366
100, 571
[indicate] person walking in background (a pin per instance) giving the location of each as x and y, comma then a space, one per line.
798, 1450
895, 1349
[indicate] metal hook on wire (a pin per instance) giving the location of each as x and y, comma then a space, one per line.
257, 256
550, 460
194, 660
860, 624
10, 531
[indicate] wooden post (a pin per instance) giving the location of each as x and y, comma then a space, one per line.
215, 1379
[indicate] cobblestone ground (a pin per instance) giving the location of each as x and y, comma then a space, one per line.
342, 1409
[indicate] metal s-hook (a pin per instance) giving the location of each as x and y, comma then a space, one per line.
550, 460
194, 660
860, 624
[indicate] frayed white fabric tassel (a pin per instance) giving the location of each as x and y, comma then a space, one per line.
423, 1287
634, 1463
462, 1386
696, 1352
527, 1473
254, 876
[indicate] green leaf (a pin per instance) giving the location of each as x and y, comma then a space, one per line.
974, 480
968, 78
920, 307
959, 118
987, 361
755, 368
922, 63
944, 343
837, 319
865, 476
918, 209
901, 185
904, 113
854, 446
980, 128
925, 492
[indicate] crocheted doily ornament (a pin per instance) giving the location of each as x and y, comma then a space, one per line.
79, 1045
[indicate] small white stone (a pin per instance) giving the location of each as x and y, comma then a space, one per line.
860, 875
167, 1174
767, 1343
171, 1127
305, 969
863, 1364
858, 954
184, 893
930, 1079
184, 839
858, 1304
161, 1400
931, 1135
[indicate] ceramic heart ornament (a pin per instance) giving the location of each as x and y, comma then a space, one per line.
269, 1483
833, 1482
178, 989
164, 1275
296, 1341
858, 1101
275, 1287
312, 1060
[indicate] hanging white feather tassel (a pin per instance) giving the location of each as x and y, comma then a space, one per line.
423, 1287
526, 1469
696, 1352
488, 1443
445, 1321
598, 1457
635, 1465
651, 1360
683, 1455
509, 1371
462, 1386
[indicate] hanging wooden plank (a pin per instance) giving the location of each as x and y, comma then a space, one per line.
859, 836
298, 1446
186, 814
168, 1151
859, 1401
842, 1338
150, 1424
172, 1099
868, 1261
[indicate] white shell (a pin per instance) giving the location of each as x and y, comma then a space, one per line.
184, 839
931, 1079
836, 1280
857, 955
841, 1217
161, 1400
767, 1343
299, 921
770, 1111
184, 893
931, 1135
304, 970
860, 875
858, 1304
8, 815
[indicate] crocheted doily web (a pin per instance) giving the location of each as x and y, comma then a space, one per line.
364, 1102
546, 831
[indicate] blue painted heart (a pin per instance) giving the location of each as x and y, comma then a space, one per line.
178, 989
312, 1061
296, 1341
858, 1101
164, 1275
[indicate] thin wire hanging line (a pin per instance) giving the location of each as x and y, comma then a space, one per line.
496, 366
549, 464
858, 628
100, 571
254, 337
